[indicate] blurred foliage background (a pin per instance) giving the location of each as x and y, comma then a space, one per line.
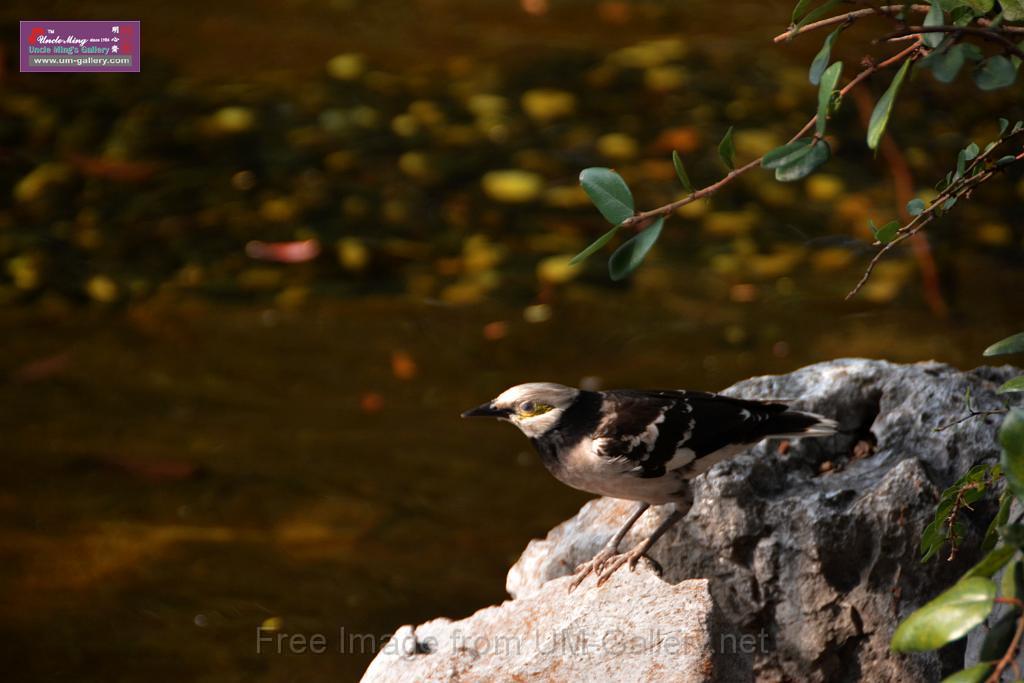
245, 294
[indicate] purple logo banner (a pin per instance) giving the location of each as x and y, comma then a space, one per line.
80, 46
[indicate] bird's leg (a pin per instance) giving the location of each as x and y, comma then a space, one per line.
596, 563
638, 551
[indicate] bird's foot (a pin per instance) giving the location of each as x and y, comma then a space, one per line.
592, 566
632, 558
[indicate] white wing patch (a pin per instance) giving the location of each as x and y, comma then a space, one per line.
683, 455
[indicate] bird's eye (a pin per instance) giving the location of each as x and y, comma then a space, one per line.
527, 407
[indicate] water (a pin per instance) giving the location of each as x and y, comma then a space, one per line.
223, 444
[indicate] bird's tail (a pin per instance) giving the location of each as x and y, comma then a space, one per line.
795, 424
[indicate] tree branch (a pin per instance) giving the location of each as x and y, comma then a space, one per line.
957, 190
991, 35
884, 10
643, 219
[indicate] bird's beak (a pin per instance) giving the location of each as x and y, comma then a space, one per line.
486, 410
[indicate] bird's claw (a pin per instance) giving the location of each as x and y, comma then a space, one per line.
607, 562
593, 566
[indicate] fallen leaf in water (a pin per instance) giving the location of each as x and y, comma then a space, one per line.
371, 402
118, 170
402, 365
284, 252
42, 368
496, 330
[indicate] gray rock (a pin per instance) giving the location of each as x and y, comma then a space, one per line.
637, 628
811, 551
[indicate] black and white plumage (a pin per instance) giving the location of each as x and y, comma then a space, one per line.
641, 445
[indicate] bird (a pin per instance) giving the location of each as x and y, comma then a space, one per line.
641, 445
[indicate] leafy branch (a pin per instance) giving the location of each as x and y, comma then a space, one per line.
972, 170
938, 43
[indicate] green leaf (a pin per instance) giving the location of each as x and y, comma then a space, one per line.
820, 60
979, 6
1013, 10
780, 156
932, 538
630, 255
681, 172
976, 674
883, 109
1013, 534
915, 207
1006, 161
1015, 384
1003, 124
886, 233
816, 13
726, 150
825, 90
1012, 583
934, 18
995, 72
594, 247
999, 637
1011, 438
1012, 344
799, 10
804, 164
971, 151
992, 562
992, 532
946, 64
609, 193
946, 618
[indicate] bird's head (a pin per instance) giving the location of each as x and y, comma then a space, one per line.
535, 407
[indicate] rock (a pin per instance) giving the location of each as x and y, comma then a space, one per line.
635, 628
824, 564
810, 551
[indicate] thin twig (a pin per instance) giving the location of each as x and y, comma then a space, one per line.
973, 414
1011, 650
884, 10
643, 219
991, 35
849, 16
965, 187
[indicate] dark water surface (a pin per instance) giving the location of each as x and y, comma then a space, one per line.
196, 444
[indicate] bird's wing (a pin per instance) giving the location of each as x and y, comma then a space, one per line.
656, 431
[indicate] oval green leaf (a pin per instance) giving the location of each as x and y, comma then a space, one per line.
684, 179
609, 193
825, 90
1011, 438
1015, 384
887, 232
824, 54
630, 255
976, 674
948, 617
726, 150
992, 562
786, 154
883, 109
946, 64
934, 18
915, 207
995, 72
594, 246
1012, 344
802, 166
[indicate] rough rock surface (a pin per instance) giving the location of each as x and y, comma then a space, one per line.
811, 549
638, 628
